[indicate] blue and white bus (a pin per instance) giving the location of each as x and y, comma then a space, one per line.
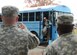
33, 19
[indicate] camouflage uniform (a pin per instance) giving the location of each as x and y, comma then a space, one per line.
14, 41
66, 44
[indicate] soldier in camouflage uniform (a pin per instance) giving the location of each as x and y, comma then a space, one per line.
66, 43
13, 40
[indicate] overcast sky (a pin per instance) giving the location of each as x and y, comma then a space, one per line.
72, 4
18, 3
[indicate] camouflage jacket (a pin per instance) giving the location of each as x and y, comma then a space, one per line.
66, 44
14, 41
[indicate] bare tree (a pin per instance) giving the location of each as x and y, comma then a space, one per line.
35, 3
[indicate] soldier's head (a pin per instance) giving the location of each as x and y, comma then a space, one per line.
64, 24
9, 15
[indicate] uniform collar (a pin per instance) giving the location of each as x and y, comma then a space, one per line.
7, 27
66, 35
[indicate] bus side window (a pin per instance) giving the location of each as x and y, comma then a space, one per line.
20, 17
25, 16
0, 19
31, 16
38, 16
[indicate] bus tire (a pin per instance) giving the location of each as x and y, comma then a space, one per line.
35, 33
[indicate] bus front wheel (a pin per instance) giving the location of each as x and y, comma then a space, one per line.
34, 33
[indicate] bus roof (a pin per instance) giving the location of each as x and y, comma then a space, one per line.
61, 8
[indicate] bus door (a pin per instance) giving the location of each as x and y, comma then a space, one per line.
46, 26
53, 27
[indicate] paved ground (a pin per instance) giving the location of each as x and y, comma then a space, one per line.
36, 51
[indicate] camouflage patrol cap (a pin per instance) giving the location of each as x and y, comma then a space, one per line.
9, 11
65, 19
